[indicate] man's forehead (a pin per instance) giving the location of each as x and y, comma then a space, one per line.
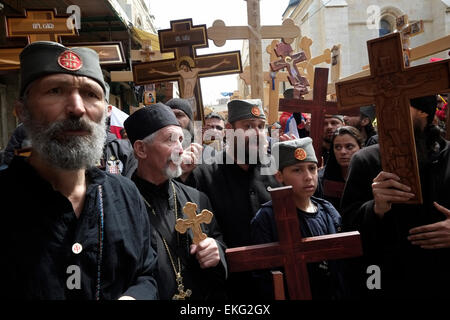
253, 121
68, 79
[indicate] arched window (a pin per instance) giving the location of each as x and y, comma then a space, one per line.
385, 27
139, 22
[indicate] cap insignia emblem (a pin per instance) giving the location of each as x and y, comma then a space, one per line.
69, 60
300, 154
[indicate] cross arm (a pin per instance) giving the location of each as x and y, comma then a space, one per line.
261, 256
356, 93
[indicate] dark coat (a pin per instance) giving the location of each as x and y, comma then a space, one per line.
40, 228
406, 269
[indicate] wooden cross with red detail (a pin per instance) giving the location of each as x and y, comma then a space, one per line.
293, 252
289, 60
37, 25
318, 107
390, 87
183, 38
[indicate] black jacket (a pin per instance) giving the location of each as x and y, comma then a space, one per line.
40, 228
406, 269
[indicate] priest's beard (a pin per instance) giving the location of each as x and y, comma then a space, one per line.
173, 173
64, 151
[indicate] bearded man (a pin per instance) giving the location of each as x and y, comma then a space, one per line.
409, 243
71, 231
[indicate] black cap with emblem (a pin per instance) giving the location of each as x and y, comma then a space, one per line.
245, 109
43, 58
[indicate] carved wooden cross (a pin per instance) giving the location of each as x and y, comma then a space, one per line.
37, 25
254, 32
289, 61
293, 252
318, 107
193, 221
145, 54
186, 67
390, 87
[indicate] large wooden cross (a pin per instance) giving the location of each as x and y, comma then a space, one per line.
37, 25
293, 252
318, 107
273, 78
186, 67
194, 221
254, 32
390, 86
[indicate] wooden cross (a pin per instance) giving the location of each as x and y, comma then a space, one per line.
407, 31
193, 221
254, 32
289, 61
293, 252
390, 86
37, 25
186, 67
318, 107
145, 54
306, 67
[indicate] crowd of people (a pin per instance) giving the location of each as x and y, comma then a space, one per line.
92, 216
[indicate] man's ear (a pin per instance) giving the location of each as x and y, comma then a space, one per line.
279, 176
228, 126
139, 149
108, 110
365, 122
19, 110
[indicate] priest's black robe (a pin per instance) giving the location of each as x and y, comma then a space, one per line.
205, 284
39, 227
407, 271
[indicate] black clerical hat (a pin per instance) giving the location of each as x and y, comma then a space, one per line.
426, 104
43, 58
148, 120
181, 104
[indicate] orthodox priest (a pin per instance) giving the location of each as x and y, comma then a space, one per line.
410, 243
71, 231
185, 270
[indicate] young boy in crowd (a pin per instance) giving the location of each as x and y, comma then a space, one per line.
297, 167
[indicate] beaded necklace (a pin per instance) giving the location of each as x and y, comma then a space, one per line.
100, 241
182, 294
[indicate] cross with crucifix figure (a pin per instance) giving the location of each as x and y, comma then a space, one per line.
407, 31
293, 252
318, 107
254, 32
37, 25
390, 86
186, 67
193, 221
289, 61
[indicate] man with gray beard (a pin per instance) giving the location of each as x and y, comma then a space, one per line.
73, 231
197, 270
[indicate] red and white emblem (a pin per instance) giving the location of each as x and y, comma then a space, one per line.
69, 60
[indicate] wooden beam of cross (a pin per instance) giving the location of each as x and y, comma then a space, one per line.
194, 221
318, 107
183, 38
390, 86
35, 25
254, 32
289, 60
293, 251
